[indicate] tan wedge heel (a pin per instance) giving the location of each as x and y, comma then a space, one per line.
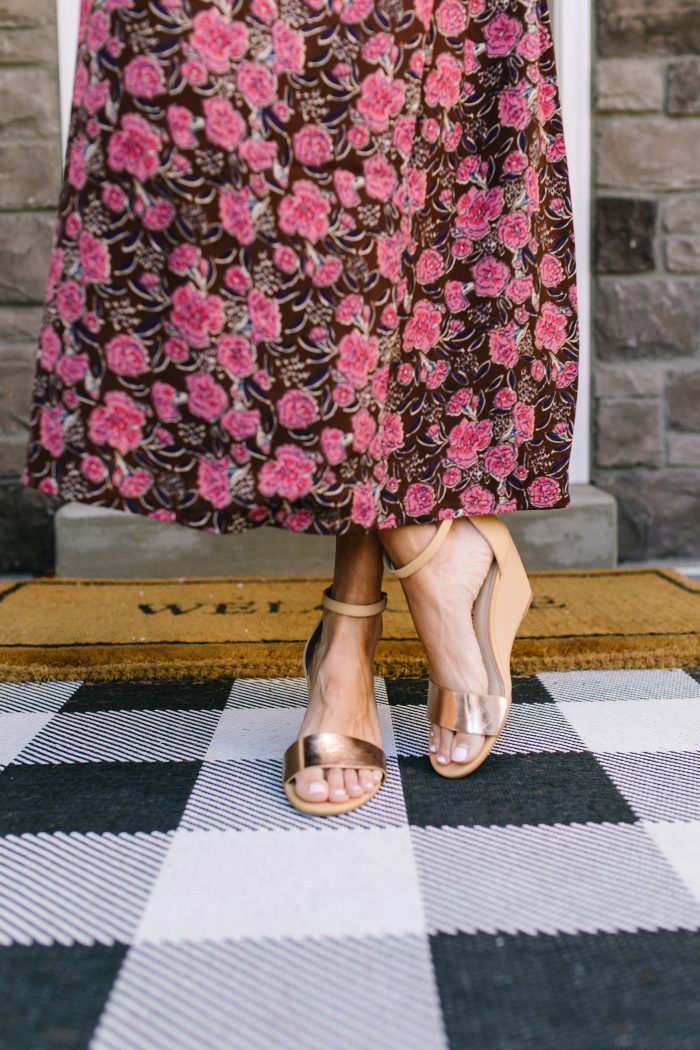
501, 604
332, 749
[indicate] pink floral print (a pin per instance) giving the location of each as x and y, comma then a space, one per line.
313, 266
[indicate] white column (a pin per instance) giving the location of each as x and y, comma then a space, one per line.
68, 17
572, 40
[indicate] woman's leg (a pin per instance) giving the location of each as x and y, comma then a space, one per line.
440, 597
342, 677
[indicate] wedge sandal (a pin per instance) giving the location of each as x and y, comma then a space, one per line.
332, 749
500, 606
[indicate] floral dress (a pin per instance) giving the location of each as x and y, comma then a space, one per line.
313, 266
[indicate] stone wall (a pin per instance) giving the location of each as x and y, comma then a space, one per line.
646, 369
30, 173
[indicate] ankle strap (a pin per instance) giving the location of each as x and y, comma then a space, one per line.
346, 609
425, 555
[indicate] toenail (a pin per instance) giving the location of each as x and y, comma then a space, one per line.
314, 788
460, 754
443, 760
339, 794
433, 747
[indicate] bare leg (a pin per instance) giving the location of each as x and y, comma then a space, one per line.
342, 678
440, 597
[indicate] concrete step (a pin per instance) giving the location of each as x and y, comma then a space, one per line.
97, 543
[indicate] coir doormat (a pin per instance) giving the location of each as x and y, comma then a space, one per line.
97, 630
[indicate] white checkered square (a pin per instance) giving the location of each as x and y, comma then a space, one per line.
354, 992
221, 885
549, 879
76, 888
266, 693
670, 724
122, 736
17, 730
640, 684
530, 728
680, 845
660, 787
251, 734
35, 696
248, 796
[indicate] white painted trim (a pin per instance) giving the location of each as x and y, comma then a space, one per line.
572, 40
572, 21
68, 20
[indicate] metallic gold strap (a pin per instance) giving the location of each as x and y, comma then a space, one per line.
353, 610
425, 555
332, 749
482, 713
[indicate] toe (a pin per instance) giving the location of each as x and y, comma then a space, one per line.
367, 780
311, 785
461, 747
466, 746
434, 739
445, 746
352, 784
336, 785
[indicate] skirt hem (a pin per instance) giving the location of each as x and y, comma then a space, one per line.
318, 525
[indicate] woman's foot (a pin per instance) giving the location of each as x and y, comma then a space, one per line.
342, 701
440, 597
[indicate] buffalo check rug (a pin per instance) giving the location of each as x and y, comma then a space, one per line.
157, 892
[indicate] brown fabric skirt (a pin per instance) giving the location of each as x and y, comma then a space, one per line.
313, 266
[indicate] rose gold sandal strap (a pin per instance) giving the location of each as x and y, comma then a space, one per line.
332, 749
482, 713
425, 555
353, 610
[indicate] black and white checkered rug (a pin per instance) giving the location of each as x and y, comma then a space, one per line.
157, 892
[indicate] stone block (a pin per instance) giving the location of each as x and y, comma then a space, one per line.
648, 153
684, 86
33, 45
624, 235
20, 323
629, 432
624, 381
646, 317
94, 542
13, 455
682, 214
684, 451
628, 84
658, 511
16, 379
18, 14
30, 173
683, 254
26, 529
25, 248
582, 536
638, 27
30, 105
683, 400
